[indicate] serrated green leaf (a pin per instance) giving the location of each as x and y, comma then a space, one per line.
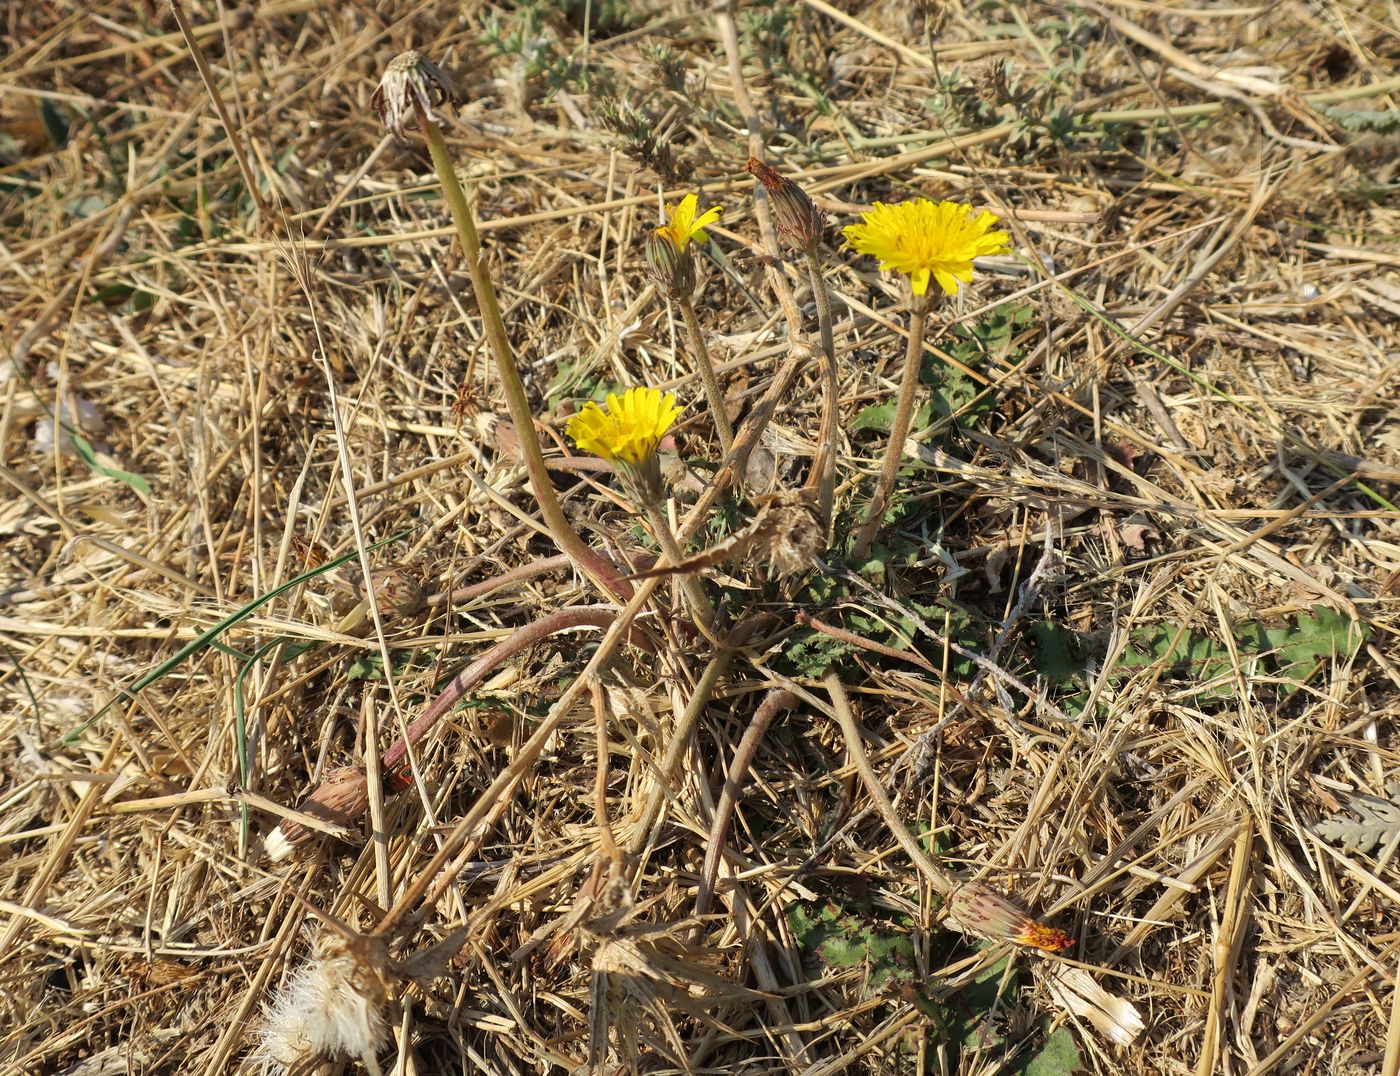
1377, 821
1060, 653
1058, 1056
881, 417
875, 417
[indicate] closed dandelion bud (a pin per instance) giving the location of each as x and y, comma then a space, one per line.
672, 266
798, 221
979, 909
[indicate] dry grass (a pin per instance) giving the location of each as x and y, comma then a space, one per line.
1177, 172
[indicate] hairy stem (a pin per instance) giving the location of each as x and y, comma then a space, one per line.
591, 563
708, 376
773, 703
700, 607
824, 466
685, 728
597, 616
941, 880
899, 432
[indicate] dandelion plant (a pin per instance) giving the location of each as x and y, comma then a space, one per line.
926, 241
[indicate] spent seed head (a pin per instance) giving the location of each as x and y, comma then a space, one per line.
411, 81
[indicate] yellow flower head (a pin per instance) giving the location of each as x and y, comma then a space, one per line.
629, 430
921, 238
685, 225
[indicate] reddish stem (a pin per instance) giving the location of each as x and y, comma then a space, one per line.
773, 703
598, 616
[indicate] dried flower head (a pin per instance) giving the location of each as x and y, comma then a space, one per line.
331, 1008
979, 909
396, 591
798, 221
411, 81
627, 435
672, 269
340, 799
792, 535
921, 239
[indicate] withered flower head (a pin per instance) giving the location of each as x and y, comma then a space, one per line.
340, 799
798, 221
979, 909
331, 1007
396, 592
672, 266
411, 81
792, 536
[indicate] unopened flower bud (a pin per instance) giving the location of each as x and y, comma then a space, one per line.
798, 221
979, 909
672, 267
411, 82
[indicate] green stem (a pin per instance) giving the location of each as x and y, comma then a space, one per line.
708, 376
823, 474
603, 574
899, 432
700, 606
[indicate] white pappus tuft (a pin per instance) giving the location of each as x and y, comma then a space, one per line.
332, 1007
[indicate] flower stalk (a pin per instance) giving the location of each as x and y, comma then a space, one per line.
700, 607
671, 264
713, 393
929, 242
824, 466
899, 430
414, 86
801, 225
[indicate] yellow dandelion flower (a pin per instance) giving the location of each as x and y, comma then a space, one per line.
631, 427
685, 225
921, 239
626, 435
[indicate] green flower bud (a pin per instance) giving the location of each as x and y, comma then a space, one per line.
672, 268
